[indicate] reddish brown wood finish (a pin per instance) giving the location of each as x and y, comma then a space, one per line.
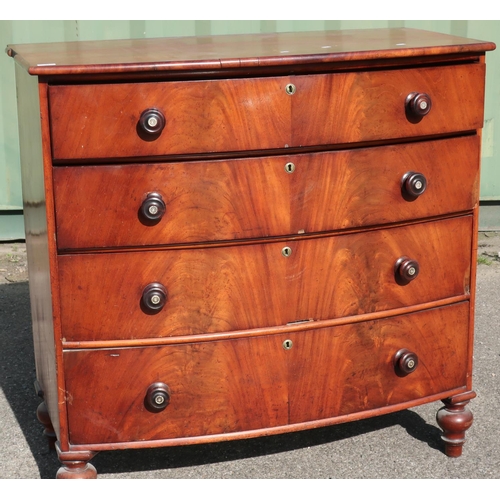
375, 102
252, 383
455, 419
100, 121
255, 297
323, 278
75, 464
216, 53
201, 116
250, 198
355, 364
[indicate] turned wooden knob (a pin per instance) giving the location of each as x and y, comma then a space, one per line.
418, 104
413, 184
154, 297
157, 397
406, 270
152, 121
405, 362
153, 207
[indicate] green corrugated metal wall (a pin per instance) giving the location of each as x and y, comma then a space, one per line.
11, 226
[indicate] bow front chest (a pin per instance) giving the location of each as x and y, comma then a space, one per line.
238, 236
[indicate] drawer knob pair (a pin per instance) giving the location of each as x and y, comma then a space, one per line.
405, 362
157, 397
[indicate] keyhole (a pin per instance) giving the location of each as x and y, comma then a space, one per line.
290, 89
289, 168
287, 344
286, 252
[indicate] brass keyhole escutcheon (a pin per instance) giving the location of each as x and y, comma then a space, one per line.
286, 252
289, 168
287, 344
290, 89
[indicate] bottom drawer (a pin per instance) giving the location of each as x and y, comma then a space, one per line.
251, 383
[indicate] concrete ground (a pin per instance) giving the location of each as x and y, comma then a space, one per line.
405, 444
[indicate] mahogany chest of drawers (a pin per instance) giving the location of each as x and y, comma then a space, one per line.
238, 236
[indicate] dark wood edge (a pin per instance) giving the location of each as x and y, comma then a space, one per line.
62, 429
253, 63
126, 74
257, 153
259, 241
463, 397
74, 455
257, 332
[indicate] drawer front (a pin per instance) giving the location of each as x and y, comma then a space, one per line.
103, 121
368, 106
253, 383
216, 387
101, 206
250, 286
200, 116
354, 365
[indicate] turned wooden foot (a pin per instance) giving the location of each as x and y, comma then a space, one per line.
454, 418
76, 470
43, 416
75, 464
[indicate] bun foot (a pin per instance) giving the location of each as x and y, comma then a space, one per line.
75, 464
76, 470
43, 417
455, 419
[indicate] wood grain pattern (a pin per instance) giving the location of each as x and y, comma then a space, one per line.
375, 102
216, 387
253, 51
201, 116
354, 364
209, 116
253, 383
250, 286
232, 296
254, 198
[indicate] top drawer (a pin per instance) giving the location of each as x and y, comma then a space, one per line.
213, 116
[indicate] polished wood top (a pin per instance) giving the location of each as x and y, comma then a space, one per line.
210, 53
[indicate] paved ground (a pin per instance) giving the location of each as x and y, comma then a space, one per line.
401, 445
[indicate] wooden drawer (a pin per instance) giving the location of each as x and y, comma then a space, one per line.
201, 116
239, 287
254, 383
375, 103
211, 116
100, 206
